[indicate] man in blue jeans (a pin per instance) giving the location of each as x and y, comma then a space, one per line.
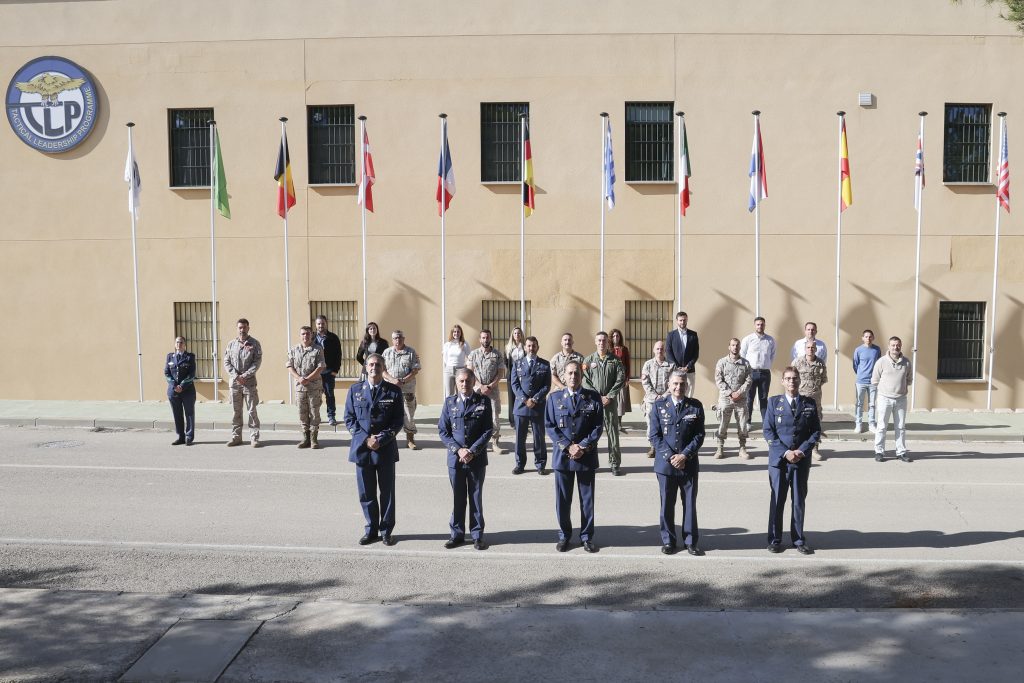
864, 359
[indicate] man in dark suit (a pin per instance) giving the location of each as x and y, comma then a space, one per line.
332, 357
531, 381
465, 427
792, 429
676, 430
373, 415
574, 419
180, 371
682, 348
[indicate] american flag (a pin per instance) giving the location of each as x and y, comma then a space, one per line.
1003, 186
919, 171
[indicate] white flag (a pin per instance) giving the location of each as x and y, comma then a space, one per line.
131, 176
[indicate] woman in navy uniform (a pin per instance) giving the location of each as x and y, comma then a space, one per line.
465, 426
791, 428
180, 371
373, 415
676, 431
574, 418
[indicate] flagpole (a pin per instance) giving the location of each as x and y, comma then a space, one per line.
679, 218
995, 265
362, 180
919, 192
287, 279
443, 181
522, 225
135, 258
213, 260
757, 212
604, 172
839, 242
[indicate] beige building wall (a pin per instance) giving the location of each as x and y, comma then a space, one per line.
67, 275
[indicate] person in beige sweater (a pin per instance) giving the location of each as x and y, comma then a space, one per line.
892, 376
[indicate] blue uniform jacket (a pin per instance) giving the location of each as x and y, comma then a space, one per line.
671, 431
535, 385
468, 425
382, 418
181, 371
566, 426
787, 430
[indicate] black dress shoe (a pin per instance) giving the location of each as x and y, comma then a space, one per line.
805, 549
543, 472
517, 470
178, 441
904, 457
694, 550
616, 472
188, 442
879, 457
453, 543
589, 547
562, 546
368, 539
387, 540
775, 547
479, 544
668, 549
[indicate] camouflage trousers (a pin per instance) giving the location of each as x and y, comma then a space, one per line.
309, 408
726, 409
242, 393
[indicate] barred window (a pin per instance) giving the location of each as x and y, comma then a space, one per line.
500, 141
193, 320
189, 139
331, 144
646, 322
500, 317
342, 320
961, 340
967, 138
649, 138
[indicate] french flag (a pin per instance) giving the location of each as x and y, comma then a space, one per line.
445, 173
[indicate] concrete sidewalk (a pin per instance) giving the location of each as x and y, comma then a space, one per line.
93, 636
955, 425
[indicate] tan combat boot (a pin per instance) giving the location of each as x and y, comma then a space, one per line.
495, 447
816, 454
650, 452
743, 452
410, 441
235, 441
305, 439
720, 451
313, 443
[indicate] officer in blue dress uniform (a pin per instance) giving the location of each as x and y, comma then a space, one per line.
791, 428
574, 418
180, 371
531, 381
373, 415
465, 427
676, 430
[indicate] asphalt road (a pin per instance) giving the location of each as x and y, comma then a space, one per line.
124, 511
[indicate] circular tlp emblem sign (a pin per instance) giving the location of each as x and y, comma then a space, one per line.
51, 104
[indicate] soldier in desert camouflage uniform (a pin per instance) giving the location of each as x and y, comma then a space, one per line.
305, 363
733, 377
813, 375
242, 359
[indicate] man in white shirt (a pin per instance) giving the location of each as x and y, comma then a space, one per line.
800, 345
759, 350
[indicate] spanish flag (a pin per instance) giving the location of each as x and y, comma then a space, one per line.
283, 176
846, 187
528, 198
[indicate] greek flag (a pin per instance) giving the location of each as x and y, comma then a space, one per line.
609, 165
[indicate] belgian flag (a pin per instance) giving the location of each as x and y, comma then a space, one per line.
283, 176
528, 195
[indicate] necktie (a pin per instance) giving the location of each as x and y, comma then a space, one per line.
373, 393
572, 401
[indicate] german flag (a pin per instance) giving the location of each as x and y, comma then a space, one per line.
528, 205
283, 176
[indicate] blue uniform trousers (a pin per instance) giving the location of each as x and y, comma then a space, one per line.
540, 447
670, 487
467, 486
379, 515
787, 479
183, 407
328, 379
563, 503
760, 383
